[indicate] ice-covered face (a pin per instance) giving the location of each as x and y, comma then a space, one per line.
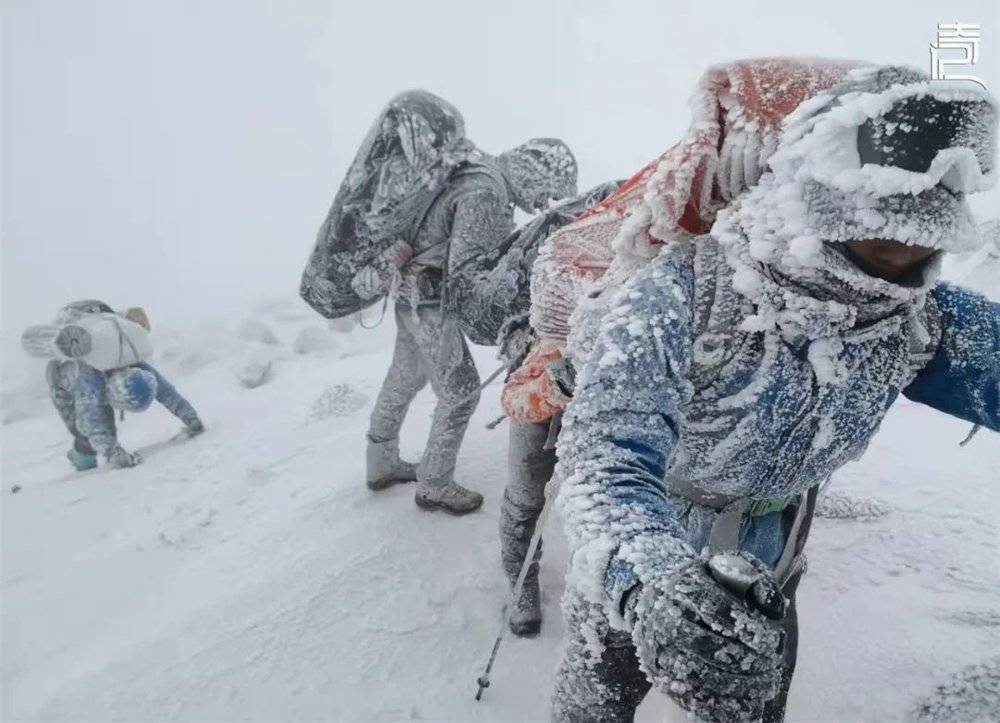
890, 260
532, 200
889, 156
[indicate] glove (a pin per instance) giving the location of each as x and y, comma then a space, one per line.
705, 644
120, 459
516, 339
563, 376
368, 284
373, 280
194, 427
531, 394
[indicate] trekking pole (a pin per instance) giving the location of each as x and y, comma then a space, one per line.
496, 422
492, 376
485, 384
483, 681
551, 489
972, 433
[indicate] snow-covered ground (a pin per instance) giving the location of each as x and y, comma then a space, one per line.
250, 575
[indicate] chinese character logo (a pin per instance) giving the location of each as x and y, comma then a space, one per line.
962, 37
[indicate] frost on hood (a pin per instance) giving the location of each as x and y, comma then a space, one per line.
538, 171
737, 111
826, 192
777, 234
402, 165
806, 290
418, 181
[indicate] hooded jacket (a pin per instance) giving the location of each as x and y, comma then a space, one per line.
749, 365
676, 388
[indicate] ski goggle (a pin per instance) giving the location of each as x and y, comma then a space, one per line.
953, 141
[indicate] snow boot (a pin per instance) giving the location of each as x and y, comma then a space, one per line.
81, 461
384, 467
525, 620
448, 496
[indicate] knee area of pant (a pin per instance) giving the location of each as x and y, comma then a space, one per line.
513, 528
524, 507
466, 403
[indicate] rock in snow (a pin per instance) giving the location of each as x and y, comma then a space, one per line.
258, 331
339, 400
315, 340
255, 373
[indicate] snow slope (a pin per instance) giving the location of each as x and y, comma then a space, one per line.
249, 574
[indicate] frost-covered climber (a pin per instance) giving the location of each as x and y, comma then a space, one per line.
97, 367
490, 302
420, 205
696, 177
733, 373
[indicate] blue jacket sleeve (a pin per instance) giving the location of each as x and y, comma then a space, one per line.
619, 434
169, 397
963, 377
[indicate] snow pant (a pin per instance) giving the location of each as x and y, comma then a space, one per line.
429, 347
609, 688
61, 377
530, 467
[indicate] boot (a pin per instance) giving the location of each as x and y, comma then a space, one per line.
384, 467
448, 496
526, 618
81, 461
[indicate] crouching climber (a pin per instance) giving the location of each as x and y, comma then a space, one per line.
97, 367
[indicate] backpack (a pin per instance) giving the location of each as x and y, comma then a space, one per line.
105, 341
401, 168
509, 267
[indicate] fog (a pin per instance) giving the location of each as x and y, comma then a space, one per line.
181, 155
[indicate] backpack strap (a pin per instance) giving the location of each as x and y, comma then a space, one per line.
733, 512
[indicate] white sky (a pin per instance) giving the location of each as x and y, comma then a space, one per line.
181, 155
